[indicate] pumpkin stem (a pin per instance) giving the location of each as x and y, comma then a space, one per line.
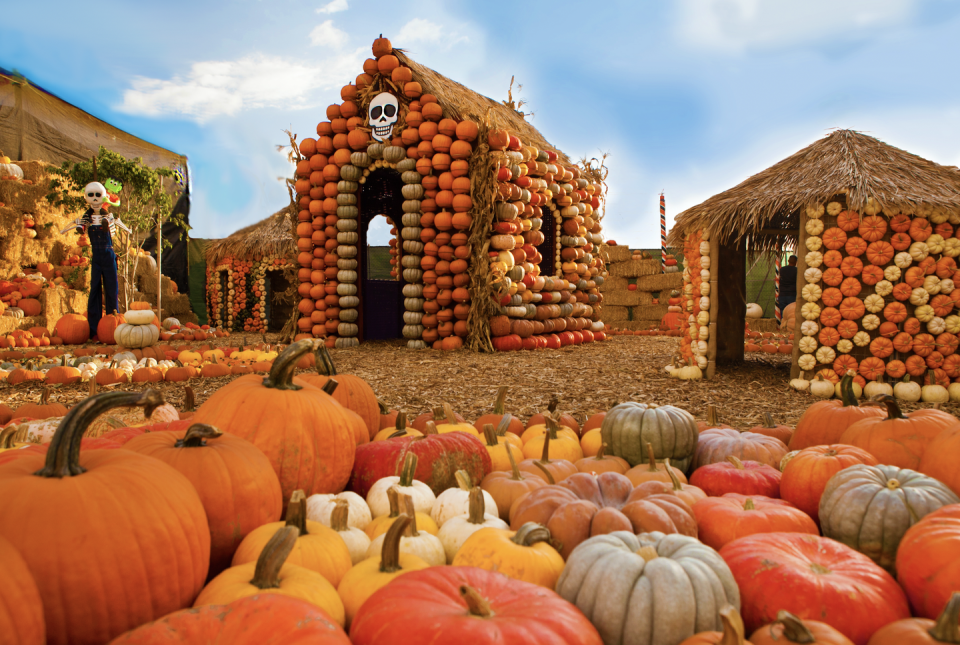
266, 575
490, 435
793, 628
6, 437
554, 404
340, 516
92, 389
531, 533
547, 473
401, 421
477, 506
677, 485
499, 401
407, 508
384, 409
393, 500
893, 408
552, 427
601, 452
651, 458
733, 459
513, 466
732, 626
297, 512
768, 420
324, 362
189, 399
504, 425
429, 428
947, 629
749, 505
463, 480
437, 414
284, 365
46, 391
330, 386
545, 455
713, 419
197, 436
407, 470
476, 604
63, 457
648, 553
449, 414
846, 392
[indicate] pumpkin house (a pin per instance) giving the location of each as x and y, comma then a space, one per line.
251, 276
876, 233
495, 230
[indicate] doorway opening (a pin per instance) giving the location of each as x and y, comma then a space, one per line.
381, 295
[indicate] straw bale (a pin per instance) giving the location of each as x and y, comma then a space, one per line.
7, 325
635, 268
636, 325
617, 253
613, 313
763, 324
11, 248
188, 317
270, 237
650, 312
613, 283
627, 298
177, 304
660, 282
844, 162
57, 302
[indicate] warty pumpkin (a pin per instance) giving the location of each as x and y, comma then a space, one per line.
825, 422
928, 561
655, 587
93, 598
526, 554
272, 573
723, 519
234, 480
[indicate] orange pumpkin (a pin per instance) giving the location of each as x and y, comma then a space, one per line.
900, 223
831, 297
945, 267
830, 317
900, 241
879, 253
852, 308
924, 344
851, 266
871, 275
951, 366
872, 228
833, 258
848, 220
845, 363
353, 392
829, 336
790, 629
896, 368
834, 238
922, 631
848, 328
806, 474
850, 286
914, 276
856, 246
825, 421
73, 329
947, 343
895, 312
920, 229
916, 366
832, 276
902, 291
880, 348
903, 342
872, 367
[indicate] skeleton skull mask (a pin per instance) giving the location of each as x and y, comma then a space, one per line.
95, 193
384, 111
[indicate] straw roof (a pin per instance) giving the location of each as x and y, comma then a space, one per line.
462, 103
843, 162
270, 237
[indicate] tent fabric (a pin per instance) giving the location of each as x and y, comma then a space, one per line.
196, 254
174, 263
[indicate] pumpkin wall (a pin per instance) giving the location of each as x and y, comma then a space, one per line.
698, 320
878, 293
474, 200
239, 297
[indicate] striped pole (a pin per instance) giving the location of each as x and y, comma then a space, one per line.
776, 286
663, 234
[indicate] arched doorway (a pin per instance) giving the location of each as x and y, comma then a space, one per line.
381, 296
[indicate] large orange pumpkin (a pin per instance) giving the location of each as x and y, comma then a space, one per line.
825, 421
107, 327
353, 392
940, 459
74, 329
922, 631
142, 528
806, 475
309, 438
928, 561
789, 629
21, 610
723, 519
872, 228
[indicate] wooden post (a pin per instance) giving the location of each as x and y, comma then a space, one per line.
801, 268
714, 300
159, 253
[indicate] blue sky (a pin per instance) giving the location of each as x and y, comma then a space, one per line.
687, 96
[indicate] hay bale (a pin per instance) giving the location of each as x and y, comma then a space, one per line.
7, 325
636, 325
660, 282
611, 254
635, 269
627, 298
763, 324
614, 283
188, 317
176, 304
652, 313
613, 313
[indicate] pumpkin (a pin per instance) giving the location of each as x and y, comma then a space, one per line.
271, 573
585, 504
74, 329
736, 476
717, 444
423, 497
869, 508
507, 487
812, 577
357, 540
899, 439
457, 530
365, 578
135, 336
732, 633
262, 619
655, 587
317, 547
551, 470
923, 631
235, 481
565, 446
352, 391
468, 604
93, 598
731, 516
602, 463
107, 327
379, 525
454, 502
825, 422
44, 409
320, 509
525, 554
499, 447
425, 545
309, 438
806, 475
927, 562
629, 427
790, 629
21, 610
940, 456
515, 425
771, 429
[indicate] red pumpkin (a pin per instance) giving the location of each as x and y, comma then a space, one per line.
771, 429
723, 519
806, 475
813, 577
468, 605
736, 476
928, 560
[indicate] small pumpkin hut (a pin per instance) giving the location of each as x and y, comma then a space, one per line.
251, 275
876, 233
495, 230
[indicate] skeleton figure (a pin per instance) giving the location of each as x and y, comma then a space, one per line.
96, 196
384, 111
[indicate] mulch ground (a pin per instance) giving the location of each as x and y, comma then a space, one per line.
587, 379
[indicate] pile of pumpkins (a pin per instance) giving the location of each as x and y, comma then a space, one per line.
434, 527
756, 342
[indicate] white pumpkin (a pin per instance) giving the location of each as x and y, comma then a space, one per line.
705, 248
423, 497
419, 543
876, 388
171, 323
807, 362
807, 344
919, 297
139, 317
812, 293
810, 311
947, 286
133, 336
826, 355
320, 508
874, 303
815, 211
814, 259
11, 170
934, 393
809, 328
954, 391
931, 284
844, 345
925, 314
935, 244
870, 322
834, 208
812, 275
861, 339
821, 388
883, 288
691, 372
814, 226
800, 384
814, 243
854, 387
903, 260
919, 251
456, 530
907, 390
356, 540
951, 247
953, 323
456, 501
892, 273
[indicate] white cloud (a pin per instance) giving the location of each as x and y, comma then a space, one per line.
225, 88
333, 7
735, 25
326, 35
420, 30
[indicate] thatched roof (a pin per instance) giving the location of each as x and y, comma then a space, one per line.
843, 162
463, 103
270, 237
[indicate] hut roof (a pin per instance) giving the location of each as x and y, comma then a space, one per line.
843, 162
463, 103
270, 237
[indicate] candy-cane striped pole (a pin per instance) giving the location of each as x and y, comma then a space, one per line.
777, 258
663, 235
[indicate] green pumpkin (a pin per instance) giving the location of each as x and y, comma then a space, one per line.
629, 427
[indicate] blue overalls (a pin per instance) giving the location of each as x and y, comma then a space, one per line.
104, 266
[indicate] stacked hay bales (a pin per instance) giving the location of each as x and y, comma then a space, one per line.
634, 309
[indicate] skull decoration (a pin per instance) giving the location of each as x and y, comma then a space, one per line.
95, 193
384, 111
